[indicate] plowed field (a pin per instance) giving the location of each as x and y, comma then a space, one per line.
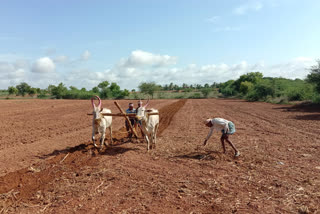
48, 164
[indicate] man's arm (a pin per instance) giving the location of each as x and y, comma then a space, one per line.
209, 135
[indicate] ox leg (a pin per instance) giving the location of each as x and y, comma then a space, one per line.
110, 129
103, 136
148, 141
155, 135
93, 138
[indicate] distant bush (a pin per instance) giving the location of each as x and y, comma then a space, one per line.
84, 95
23, 88
179, 96
12, 90
195, 96
316, 98
314, 76
206, 91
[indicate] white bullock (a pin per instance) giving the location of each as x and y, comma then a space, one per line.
150, 124
100, 123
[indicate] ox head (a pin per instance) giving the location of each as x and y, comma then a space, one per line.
141, 111
96, 109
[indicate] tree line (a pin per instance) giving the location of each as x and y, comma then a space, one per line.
104, 90
252, 86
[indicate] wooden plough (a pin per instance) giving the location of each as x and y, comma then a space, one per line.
126, 116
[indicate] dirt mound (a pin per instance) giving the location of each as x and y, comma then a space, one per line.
167, 113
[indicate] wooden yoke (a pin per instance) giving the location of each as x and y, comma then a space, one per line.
127, 119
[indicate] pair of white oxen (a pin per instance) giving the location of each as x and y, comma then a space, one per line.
150, 123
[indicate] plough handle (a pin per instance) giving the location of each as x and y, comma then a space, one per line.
127, 119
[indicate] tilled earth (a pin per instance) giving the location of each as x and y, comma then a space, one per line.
48, 163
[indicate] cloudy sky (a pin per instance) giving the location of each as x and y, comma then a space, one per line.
82, 42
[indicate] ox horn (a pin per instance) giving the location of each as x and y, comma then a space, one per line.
145, 106
99, 101
92, 102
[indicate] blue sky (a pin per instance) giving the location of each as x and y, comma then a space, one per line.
82, 43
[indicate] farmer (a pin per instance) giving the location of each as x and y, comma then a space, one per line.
139, 122
226, 127
130, 110
139, 104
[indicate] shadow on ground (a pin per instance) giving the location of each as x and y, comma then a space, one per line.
308, 117
209, 155
302, 107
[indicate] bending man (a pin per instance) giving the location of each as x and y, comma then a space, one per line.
226, 127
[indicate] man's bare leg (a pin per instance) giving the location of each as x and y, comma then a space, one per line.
222, 143
237, 153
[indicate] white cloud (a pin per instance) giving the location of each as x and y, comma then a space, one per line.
21, 63
86, 55
10, 75
43, 65
253, 5
5, 67
17, 74
142, 58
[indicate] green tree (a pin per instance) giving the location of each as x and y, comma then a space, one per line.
227, 88
125, 93
206, 91
245, 87
314, 76
198, 86
12, 90
23, 88
148, 88
184, 85
187, 89
42, 93
103, 85
59, 91
261, 91
32, 91
115, 90
50, 87
72, 88
253, 77
106, 93
170, 87
95, 89
166, 87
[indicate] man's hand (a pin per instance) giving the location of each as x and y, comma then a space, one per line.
205, 142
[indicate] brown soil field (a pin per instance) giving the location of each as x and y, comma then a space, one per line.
48, 163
